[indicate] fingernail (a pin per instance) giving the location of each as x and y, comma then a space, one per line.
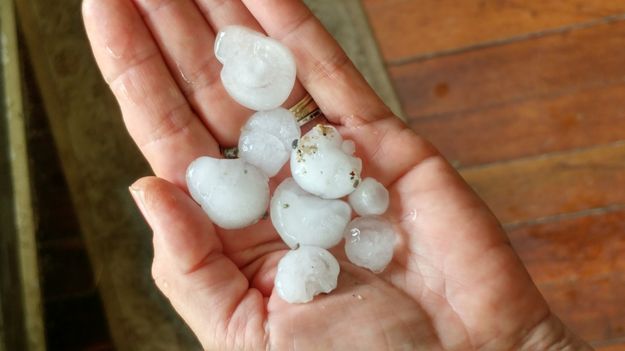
138, 195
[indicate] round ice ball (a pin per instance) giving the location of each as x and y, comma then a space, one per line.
369, 242
306, 272
369, 198
233, 193
321, 165
259, 72
304, 219
267, 139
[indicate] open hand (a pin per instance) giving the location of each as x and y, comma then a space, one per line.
455, 283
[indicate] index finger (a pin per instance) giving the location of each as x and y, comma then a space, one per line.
155, 111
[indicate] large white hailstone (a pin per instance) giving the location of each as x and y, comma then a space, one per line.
233, 193
267, 139
369, 242
323, 165
369, 198
306, 272
304, 219
259, 72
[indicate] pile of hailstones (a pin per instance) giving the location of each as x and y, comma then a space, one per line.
306, 210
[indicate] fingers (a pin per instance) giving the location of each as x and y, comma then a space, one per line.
187, 42
155, 111
220, 13
203, 285
388, 148
323, 67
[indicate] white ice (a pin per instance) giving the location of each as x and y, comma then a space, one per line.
323, 165
306, 272
267, 139
259, 72
369, 242
304, 219
369, 198
233, 193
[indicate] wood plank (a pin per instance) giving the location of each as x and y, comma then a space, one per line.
25, 243
408, 28
509, 74
593, 308
581, 118
554, 184
578, 263
577, 248
616, 345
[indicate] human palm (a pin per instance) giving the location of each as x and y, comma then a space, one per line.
455, 283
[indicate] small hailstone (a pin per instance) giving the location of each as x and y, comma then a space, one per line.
322, 164
259, 72
369, 242
306, 272
304, 219
233, 193
267, 139
369, 198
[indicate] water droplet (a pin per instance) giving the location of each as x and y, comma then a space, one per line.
411, 216
116, 54
186, 78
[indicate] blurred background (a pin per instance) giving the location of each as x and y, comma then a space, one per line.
525, 98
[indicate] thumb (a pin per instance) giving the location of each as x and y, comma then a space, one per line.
205, 287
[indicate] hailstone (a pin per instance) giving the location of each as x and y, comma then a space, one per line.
321, 165
233, 193
369, 198
259, 72
304, 219
306, 272
267, 138
369, 242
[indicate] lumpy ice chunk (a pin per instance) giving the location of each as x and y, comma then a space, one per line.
321, 165
259, 72
267, 138
304, 219
369, 242
369, 198
306, 272
233, 193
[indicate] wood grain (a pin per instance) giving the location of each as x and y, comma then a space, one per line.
510, 74
408, 28
577, 119
592, 308
610, 345
578, 263
527, 189
526, 98
574, 248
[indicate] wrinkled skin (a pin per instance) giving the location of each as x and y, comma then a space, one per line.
455, 282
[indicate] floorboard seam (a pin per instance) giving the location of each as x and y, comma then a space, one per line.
597, 211
505, 41
543, 156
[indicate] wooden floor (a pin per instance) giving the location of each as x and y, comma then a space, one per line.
527, 99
